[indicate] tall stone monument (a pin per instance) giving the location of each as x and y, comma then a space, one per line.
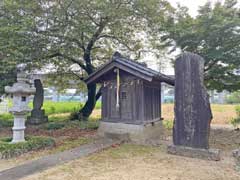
192, 110
38, 114
20, 92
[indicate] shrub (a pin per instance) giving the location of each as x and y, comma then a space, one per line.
168, 124
89, 124
236, 121
74, 115
8, 150
54, 126
6, 120
233, 98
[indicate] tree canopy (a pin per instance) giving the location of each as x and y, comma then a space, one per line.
215, 35
17, 44
79, 34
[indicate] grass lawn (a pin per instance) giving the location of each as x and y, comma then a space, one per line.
64, 107
52, 107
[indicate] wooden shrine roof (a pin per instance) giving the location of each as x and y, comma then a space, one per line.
131, 67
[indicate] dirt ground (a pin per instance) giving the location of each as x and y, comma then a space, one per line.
64, 139
154, 165
138, 162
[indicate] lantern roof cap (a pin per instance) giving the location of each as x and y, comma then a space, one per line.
21, 86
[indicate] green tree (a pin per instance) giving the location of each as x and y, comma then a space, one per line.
7, 78
17, 43
85, 33
215, 35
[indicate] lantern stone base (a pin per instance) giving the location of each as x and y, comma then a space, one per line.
207, 154
37, 117
18, 127
139, 134
18, 135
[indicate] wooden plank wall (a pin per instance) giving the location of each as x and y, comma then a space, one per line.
143, 102
152, 102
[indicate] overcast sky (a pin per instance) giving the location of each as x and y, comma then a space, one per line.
192, 4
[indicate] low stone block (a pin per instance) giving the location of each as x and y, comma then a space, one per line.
207, 154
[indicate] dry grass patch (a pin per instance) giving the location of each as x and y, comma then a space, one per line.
222, 114
130, 162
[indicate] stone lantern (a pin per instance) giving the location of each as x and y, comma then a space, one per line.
20, 91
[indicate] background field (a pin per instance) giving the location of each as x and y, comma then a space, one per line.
222, 113
51, 107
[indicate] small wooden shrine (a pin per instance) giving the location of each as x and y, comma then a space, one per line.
131, 92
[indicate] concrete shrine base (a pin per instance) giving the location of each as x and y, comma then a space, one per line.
139, 134
207, 154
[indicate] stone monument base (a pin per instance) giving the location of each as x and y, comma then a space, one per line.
139, 134
236, 155
37, 117
208, 154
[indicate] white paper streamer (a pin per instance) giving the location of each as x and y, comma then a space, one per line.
118, 88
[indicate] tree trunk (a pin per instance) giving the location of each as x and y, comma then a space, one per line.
87, 109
